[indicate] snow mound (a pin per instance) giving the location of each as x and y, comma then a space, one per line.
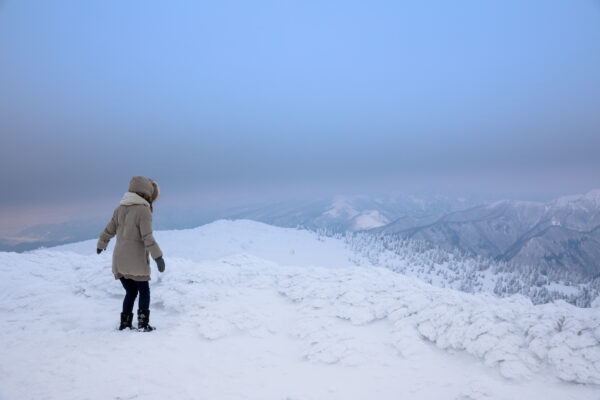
511, 334
224, 237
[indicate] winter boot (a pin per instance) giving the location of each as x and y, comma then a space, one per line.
126, 319
143, 321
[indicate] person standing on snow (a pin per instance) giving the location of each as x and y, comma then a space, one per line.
132, 223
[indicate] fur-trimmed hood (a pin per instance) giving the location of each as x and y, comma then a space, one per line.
130, 199
145, 187
156, 191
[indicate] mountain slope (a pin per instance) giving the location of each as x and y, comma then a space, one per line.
251, 311
560, 236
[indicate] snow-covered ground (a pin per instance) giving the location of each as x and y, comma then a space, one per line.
250, 311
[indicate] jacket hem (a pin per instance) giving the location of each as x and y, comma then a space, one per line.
139, 278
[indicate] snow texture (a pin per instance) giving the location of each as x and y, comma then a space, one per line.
457, 270
249, 311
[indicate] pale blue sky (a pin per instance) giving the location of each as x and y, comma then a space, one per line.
230, 96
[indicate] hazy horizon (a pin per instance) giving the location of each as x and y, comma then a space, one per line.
232, 103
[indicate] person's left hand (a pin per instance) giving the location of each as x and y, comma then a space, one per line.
98, 251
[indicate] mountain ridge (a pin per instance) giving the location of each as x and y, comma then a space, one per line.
562, 233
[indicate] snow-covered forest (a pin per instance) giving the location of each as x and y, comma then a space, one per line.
457, 270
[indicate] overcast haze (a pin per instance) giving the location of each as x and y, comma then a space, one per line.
238, 99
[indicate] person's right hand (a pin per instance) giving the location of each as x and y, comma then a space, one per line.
160, 263
98, 251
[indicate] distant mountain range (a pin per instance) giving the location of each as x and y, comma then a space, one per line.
562, 234
49, 235
352, 213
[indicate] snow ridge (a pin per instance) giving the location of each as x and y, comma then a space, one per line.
512, 334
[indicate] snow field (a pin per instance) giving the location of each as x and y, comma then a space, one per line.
245, 326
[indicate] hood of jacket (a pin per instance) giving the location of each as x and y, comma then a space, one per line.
130, 199
147, 187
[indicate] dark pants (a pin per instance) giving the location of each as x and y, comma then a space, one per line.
131, 291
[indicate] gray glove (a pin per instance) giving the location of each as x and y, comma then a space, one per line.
160, 263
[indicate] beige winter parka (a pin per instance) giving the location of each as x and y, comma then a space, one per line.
132, 223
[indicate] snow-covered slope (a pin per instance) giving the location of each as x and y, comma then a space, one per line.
287, 246
457, 270
250, 311
561, 237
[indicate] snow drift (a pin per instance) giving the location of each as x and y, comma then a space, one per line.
246, 310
